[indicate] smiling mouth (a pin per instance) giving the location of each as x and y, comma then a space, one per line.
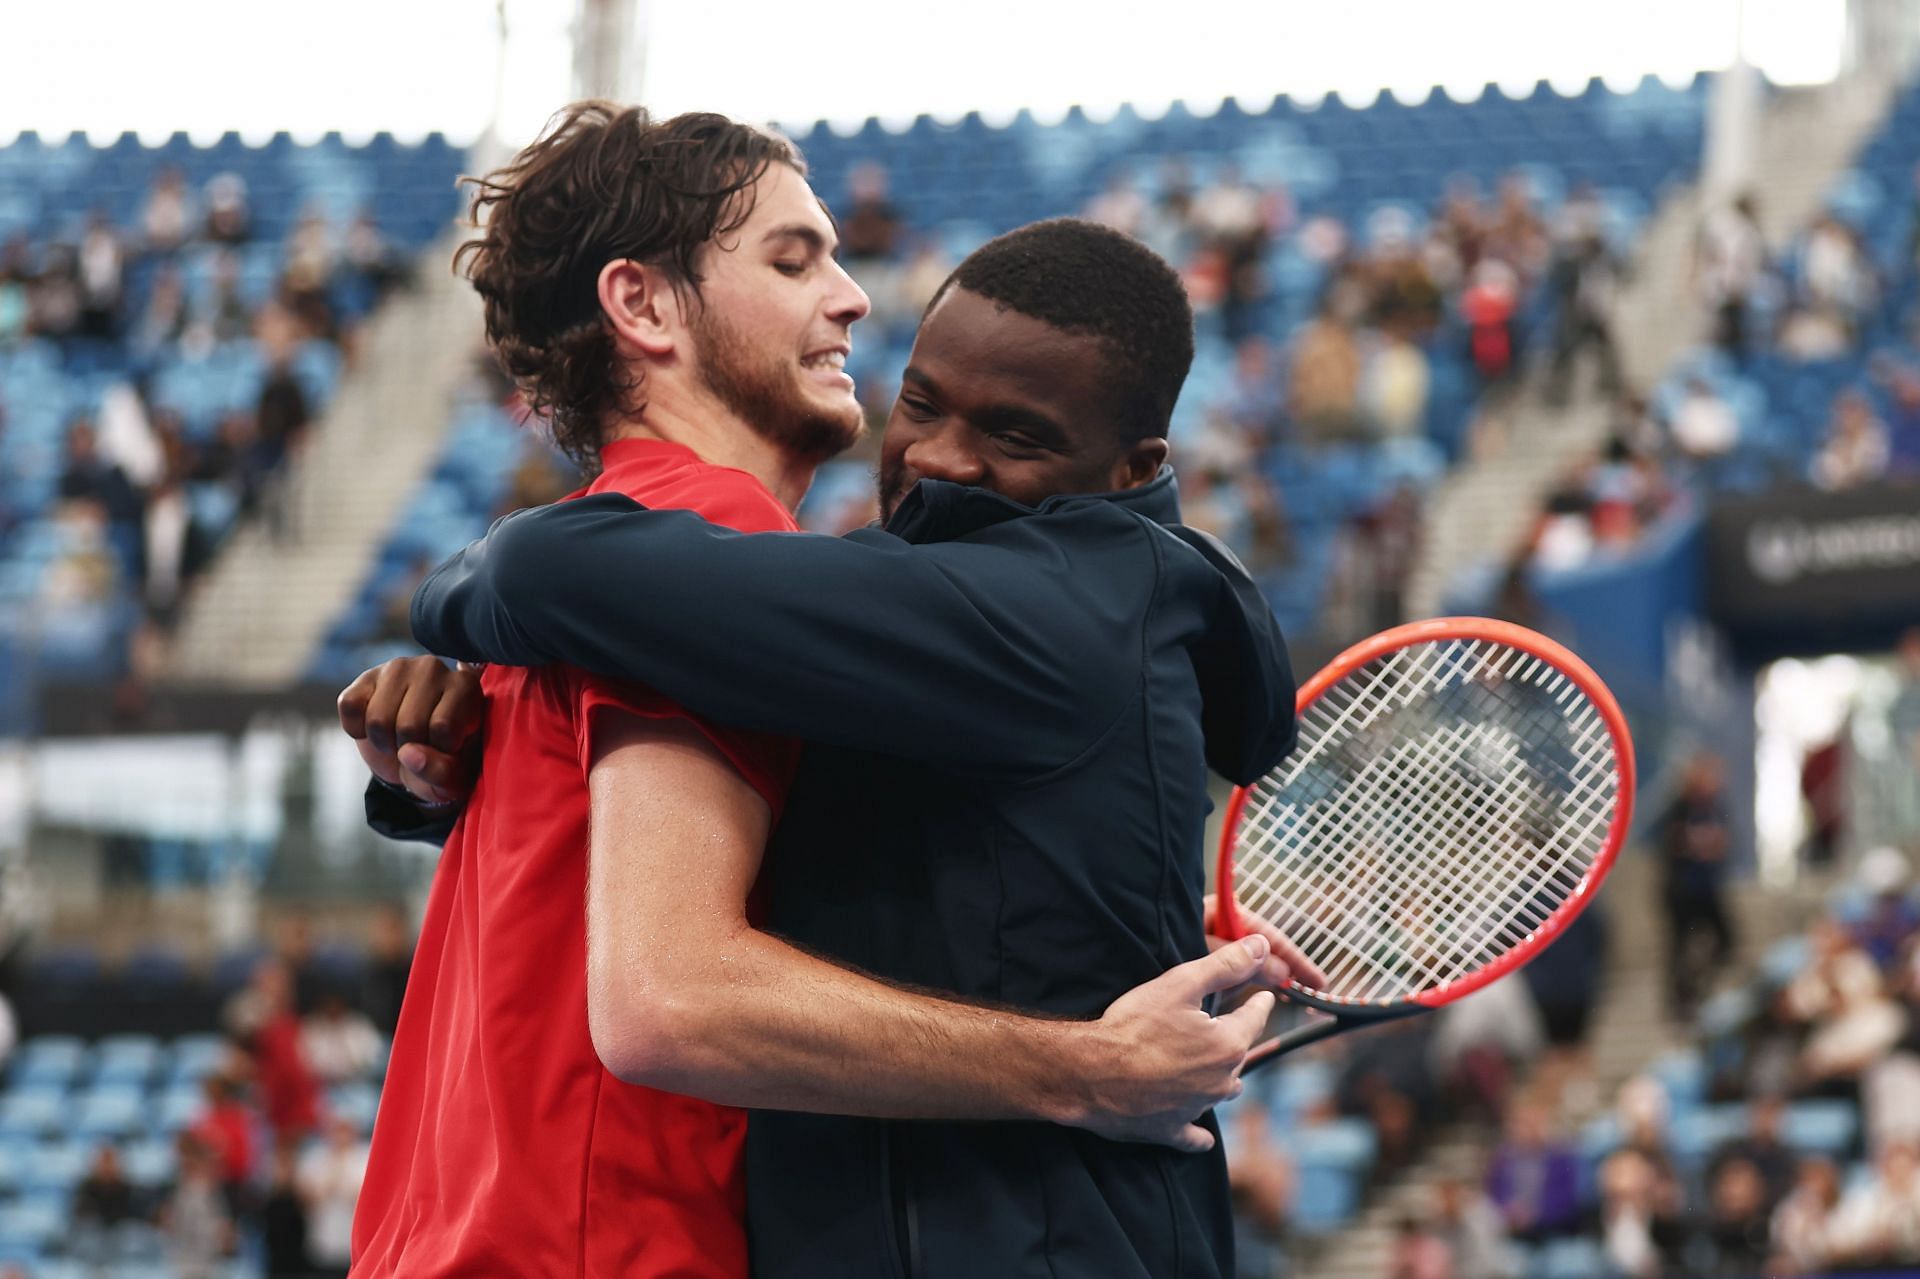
834, 361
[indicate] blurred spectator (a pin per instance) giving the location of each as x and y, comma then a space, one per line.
175, 548
229, 221
1324, 386
1255, 402
55, 300
1491, 304
1645, 1112
196, 1218
1584, 282
263, 1016
1903, 422
283, 1221
224, 1133
1703, 426
1851, 1023
1760, 1146
1475, 1235
1878, 1223
870, 224
389, 957
1387, 1081
88, 477
1482, 1041
1890, 1087
1566, 981
1730, 268
1734, 1239
1636, 1235
167, 217
1803, 1223
1823, 785
1534, 1179
9, 1030
1855, 451
1394, 385
1891, 921
164, 322
1903, 725
1261, 1180
338, 1042
222, 315
102, 1203
16, 277
102, 266
1419, 1252
1516, 234
1835, 273
369, 255
1120, 206
329, 1179
1695, 837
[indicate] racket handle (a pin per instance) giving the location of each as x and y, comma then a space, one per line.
1299, 1037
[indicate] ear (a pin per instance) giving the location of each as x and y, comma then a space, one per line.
1140, 463
641, 305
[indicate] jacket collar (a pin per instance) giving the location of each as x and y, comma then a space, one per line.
939, 510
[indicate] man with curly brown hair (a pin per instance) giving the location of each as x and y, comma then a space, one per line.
666, 294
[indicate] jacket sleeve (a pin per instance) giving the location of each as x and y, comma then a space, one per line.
966, 655
394, 814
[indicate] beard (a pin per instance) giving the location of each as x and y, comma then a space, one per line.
765, 393
892, 483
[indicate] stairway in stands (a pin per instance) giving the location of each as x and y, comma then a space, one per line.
256, 621
1486, 506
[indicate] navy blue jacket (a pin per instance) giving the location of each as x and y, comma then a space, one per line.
1010, 713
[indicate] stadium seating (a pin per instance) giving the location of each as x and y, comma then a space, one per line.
957, 184
48, 192
61, 1098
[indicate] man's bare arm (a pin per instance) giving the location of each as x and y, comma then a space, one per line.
685, 995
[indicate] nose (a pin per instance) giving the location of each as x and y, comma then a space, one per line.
848, 302
944, 454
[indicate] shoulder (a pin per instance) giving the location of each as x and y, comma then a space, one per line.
718, 494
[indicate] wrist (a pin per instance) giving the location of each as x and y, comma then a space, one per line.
1067, 1091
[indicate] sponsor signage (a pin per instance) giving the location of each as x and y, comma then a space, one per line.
1837, 570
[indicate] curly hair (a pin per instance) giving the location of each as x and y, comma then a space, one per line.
1081, 277
602, 184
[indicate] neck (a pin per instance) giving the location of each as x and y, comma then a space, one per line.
721, 439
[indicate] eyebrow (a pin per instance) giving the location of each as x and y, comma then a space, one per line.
1006, 416
810, 236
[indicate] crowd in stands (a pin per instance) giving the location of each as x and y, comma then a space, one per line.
252, 1145
1808, 374
172, 323
145, 492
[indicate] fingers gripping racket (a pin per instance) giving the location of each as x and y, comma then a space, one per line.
1460, 789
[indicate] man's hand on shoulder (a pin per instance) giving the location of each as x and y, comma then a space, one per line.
415, 720
1157, 1060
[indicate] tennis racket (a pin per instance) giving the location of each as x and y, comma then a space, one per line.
1460, 789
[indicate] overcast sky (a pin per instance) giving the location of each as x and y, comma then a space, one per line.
412, 66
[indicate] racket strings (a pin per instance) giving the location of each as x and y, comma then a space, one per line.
1469, 784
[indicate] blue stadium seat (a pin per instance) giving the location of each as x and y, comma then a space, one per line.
127, 1059
56, 1167
1830, 1128
149, 1164
31, 1110
356, 1103
109, 1112
49, 1060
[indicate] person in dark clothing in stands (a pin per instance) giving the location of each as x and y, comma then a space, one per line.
1696, 840
1011, 693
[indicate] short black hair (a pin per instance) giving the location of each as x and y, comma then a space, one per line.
1081, 277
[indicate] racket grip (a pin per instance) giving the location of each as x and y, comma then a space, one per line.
1299, 1037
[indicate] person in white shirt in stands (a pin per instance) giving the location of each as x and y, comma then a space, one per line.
1879, 1222
329, 1181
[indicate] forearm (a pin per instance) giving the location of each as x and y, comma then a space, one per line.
763, 1024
